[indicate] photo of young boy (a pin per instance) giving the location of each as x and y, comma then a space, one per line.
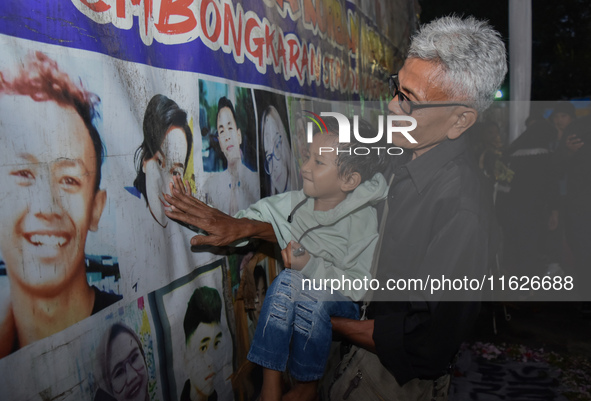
195, 336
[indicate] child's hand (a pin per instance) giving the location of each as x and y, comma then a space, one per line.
295, 256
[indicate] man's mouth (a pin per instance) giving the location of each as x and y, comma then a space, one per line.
399, 123
229, 147
49, 240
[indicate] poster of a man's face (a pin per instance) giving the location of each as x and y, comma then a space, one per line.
55, 200
229, 135
228, 125
203, 336
227, 116
196, 335
51, 167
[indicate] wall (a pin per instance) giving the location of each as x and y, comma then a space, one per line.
94, 277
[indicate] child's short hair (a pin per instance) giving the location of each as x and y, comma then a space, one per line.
367, 165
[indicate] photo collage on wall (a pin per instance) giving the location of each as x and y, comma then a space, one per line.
102, 105
87, 226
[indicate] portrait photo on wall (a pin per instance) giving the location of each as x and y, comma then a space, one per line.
159, 146
166, 152
229, 146
58, 256
110, 357
194, 339
277, 171
125, 364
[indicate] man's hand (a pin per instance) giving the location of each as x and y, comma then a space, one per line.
292, 259
358, 332
221, 228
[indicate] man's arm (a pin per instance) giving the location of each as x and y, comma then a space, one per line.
358, 332
222, 229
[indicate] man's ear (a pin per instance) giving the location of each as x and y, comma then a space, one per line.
239, 136
100, 198
351, 182
465, 120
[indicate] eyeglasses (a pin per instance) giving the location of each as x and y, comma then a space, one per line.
275, 154
407, 105
119, 374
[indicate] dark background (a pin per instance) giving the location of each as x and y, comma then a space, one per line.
561, 35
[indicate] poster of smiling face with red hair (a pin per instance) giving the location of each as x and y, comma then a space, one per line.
52, 154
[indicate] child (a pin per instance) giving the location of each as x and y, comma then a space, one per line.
334, 230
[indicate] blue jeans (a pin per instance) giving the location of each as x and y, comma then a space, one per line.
294, 327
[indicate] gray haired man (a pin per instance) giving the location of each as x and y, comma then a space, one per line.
441, 219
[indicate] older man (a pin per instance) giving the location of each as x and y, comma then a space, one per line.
440, 219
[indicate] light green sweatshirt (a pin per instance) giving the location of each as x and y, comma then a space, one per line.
342, 241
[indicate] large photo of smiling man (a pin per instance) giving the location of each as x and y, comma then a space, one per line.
51, 154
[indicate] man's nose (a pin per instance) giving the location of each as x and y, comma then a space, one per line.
394, 105
207, 358
45, 200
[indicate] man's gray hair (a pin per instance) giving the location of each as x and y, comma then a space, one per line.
471, 54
